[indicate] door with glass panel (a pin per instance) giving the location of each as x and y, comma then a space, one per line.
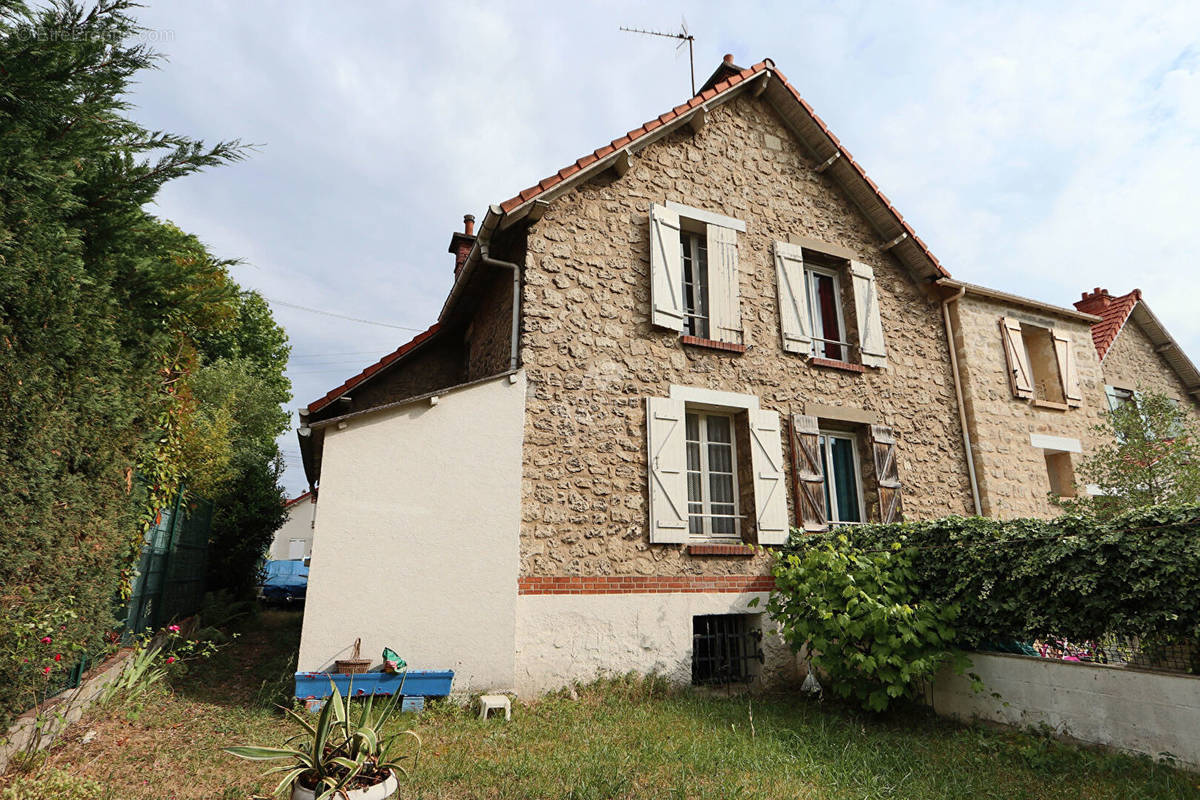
712, 477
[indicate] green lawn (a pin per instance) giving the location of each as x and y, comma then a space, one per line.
619, 739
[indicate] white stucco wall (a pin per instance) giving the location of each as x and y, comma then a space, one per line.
417, 536
299, 525
563, 638
1138, 711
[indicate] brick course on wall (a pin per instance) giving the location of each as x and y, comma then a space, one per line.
1012, 475
592, 356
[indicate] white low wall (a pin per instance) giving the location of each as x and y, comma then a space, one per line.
1153, 713
416, 536
563, 638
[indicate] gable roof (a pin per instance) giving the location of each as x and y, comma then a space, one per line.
297, 499
371, 371
728, 81
799, 116
1115, 312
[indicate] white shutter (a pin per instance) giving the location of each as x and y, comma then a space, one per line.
666, 455
666, 268
766, 459
724, 298
1019, 374
1068, 372
795, 323
866, 306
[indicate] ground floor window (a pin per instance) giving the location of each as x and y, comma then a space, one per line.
712, 477
724, 647
843, 477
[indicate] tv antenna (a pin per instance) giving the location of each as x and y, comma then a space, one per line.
684, 38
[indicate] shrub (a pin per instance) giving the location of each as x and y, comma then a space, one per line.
857, 614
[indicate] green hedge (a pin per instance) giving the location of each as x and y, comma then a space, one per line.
1073, 577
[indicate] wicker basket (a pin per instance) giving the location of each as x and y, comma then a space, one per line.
353, 665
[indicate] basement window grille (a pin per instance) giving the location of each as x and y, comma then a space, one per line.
723, 645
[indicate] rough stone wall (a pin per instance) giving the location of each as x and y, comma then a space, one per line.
592, 356
435, 365
1012, 475
489, 340
1131, 363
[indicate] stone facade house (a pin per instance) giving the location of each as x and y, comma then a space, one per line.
649, 368
692, 339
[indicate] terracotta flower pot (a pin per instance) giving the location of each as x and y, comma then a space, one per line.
377, 792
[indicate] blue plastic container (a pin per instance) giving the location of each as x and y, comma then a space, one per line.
416, 683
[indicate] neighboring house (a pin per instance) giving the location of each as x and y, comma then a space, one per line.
1032, 394
293, 542
1136, 352
708, 331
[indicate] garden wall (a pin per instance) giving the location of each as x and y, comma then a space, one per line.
1152, 713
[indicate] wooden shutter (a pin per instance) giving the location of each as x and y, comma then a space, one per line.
724, 298
1068, 372
795, 320
1019, 374
666, 269
806, 470
766, 460
887, 474
666, 455
866, 307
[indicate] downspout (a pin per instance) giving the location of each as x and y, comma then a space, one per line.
516, 301
958, 393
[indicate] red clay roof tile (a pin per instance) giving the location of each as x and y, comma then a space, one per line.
1113, 312
350, 383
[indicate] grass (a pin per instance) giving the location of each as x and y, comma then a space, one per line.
623, 738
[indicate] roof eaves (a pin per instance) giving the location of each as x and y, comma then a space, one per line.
370, 371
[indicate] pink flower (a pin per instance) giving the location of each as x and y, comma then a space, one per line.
46, 640
173, 628
170, 659
58, 656
46, 670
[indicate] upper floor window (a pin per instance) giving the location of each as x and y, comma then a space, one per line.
825, 303
694, 279
694, 253
1041, 363
811, 316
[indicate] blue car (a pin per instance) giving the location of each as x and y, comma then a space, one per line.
285, 582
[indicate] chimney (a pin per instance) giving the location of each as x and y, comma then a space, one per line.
1094, 302
460, 243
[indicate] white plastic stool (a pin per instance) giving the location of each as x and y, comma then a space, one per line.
488, 702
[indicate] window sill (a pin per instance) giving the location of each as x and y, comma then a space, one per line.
1050, 405
741, 550
712, 344
844, 366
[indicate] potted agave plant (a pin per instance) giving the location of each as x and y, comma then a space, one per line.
344, 754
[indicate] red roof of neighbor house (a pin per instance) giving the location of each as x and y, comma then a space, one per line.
350, 383
533, 192
1114, 313
294, 500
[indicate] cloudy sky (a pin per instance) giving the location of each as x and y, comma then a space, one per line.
1039, 150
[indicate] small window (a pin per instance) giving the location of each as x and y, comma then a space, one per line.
1043, 363
695, 283
843, 477
724, 647
825, 305
1117, 397
1062, 474
712, 477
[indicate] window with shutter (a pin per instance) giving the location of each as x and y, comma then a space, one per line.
887, 474
694, 273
